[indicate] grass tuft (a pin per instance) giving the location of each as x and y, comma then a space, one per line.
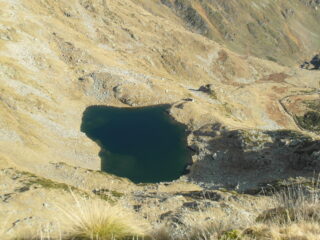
94, 219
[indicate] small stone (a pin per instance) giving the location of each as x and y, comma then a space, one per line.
192, 205
46, 205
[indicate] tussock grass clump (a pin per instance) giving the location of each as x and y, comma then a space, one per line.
297, 203
293, 231
295, 215
87, 219
201, 225
291, 213
95, 219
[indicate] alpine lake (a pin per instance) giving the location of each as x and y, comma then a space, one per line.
143, 144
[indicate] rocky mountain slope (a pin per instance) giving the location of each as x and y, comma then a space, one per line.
238, 61
281, 31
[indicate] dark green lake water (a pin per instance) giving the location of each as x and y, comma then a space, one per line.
142, 144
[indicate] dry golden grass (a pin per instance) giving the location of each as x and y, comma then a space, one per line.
292, 231
203, 225
296, 216
292, 214
95, 219
88, 219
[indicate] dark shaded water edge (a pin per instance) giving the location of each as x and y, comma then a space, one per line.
103, 154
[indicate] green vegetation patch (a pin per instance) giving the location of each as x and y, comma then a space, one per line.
29, 179
314, 105
231, 235
310, 121
44, 182
108, 195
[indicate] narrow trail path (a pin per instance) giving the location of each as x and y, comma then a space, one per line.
292, 117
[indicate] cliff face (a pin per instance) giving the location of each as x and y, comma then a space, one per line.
58, 57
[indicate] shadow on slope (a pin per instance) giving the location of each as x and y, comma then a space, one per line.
245, 159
